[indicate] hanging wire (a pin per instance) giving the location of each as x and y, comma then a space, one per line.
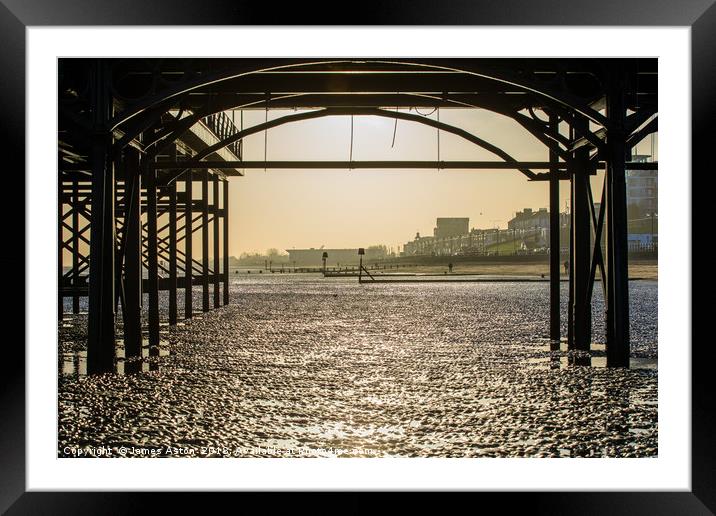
633, 150
350, 155
425, 114
395, 129
438, 110
237, 146
265, 137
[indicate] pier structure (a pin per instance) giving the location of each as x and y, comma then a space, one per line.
127, 163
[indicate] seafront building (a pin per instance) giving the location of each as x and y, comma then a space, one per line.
528, 219
526, 233
449, 227
642, 205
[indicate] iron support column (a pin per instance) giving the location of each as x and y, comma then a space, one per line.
570, 262
554, 246
188, 238
152, 259
75, 247
617, 301
205, 240
215, 208
60, 252
581, 263
132, 311
226, 241
100, 319
172, 190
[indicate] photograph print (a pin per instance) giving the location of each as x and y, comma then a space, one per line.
357, 258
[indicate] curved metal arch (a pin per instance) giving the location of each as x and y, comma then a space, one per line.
321, 113
177, 127
542, 133
539, 131
560, 99
553, 98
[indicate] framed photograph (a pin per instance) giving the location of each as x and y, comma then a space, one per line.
416, 250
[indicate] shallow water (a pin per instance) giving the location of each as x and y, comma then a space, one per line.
299, 365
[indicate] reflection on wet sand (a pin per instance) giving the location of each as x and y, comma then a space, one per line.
74, 363
447, 370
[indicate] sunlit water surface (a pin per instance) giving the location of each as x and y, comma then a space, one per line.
299, 365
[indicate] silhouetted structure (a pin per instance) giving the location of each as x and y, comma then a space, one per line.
446, 227
125, 149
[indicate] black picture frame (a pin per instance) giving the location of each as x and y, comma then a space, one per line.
16, 15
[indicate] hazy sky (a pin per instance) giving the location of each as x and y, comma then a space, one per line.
284, 209
341, 208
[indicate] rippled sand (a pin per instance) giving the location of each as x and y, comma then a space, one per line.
305, 366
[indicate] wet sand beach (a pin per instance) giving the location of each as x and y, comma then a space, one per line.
299, 365
645, 269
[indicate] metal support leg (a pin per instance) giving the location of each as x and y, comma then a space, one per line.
554, 247
226, 242
581, 264
616, 219
205, 240
215, 207
570, 264
60, 252
75, 247
188, 237
100, 327
152, 259
172, 253
132, 311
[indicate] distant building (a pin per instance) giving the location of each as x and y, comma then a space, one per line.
474, 242
642, 204
314, 257
419, 247
447, 227
642, 189
528, 219
528, 232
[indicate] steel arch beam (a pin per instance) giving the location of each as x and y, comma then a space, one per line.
639, 135
544, 134
562, 100
360, 112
